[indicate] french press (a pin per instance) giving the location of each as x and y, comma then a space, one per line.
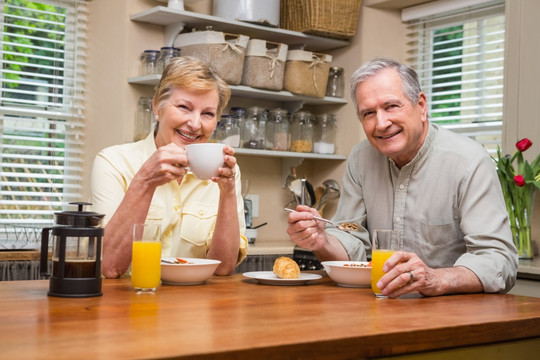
76, 253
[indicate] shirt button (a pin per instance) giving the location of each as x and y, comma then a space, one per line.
401, 187
398, 219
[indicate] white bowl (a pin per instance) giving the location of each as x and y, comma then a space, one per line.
196, 271
346, 275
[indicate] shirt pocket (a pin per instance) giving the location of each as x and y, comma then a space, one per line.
441, 241
155, 215
198, 223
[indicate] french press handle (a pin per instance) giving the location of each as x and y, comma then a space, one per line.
43, 263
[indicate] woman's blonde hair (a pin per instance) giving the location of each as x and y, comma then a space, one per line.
189, 73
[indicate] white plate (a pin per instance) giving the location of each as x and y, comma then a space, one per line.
269, 278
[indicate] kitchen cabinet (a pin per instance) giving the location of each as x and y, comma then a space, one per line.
175, 21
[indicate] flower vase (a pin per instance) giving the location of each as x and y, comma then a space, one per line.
520, 220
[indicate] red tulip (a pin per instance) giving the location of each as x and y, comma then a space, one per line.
523, 144
519, 180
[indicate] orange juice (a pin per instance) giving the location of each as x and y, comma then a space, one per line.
146, 264
378, 258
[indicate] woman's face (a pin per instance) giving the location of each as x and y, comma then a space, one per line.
187, 117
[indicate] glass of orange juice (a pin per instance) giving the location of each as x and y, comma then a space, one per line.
146, 257
385, 244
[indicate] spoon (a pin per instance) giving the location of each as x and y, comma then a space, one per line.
339, 227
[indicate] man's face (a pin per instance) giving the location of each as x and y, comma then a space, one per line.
393, 125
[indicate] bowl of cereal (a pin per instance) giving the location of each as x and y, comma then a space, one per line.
187, 271
349, 273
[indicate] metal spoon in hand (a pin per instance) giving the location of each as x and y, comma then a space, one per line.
342, 227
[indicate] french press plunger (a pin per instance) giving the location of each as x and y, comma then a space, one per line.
76, 253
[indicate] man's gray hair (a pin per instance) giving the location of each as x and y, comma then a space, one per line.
409, 78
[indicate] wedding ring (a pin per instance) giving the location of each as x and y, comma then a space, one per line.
411, 277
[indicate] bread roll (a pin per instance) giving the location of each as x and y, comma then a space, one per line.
286, 268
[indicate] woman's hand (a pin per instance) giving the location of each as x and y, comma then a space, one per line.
166, 164
226, 178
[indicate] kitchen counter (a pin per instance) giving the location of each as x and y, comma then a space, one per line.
271, 248
529, 269
234, 317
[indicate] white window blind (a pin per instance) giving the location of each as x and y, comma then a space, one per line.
41, 108
459, 57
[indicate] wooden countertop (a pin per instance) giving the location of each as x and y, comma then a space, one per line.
233, 317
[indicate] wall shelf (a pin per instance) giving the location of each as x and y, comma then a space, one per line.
246, 91
175, 20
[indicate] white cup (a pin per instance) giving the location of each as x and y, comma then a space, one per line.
205, 159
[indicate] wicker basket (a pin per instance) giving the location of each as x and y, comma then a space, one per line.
329, 18
306, 73
264, 64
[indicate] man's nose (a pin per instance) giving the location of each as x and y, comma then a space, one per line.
383, 120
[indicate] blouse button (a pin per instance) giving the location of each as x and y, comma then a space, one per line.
201, 212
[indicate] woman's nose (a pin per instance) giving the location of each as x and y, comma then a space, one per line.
194, 121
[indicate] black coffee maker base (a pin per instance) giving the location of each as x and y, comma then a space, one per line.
75, 288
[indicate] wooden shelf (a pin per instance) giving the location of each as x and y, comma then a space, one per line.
247, 91
176, 20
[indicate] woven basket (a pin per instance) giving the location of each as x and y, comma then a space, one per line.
329, 18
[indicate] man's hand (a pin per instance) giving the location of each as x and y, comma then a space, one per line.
406, 273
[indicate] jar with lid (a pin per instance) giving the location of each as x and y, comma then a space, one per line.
228, 132
324, 134
238, 115
148, 62
335, 86
277, 130
302, 132
165, 55
143, 118
254, 128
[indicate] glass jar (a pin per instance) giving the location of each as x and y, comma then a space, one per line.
165, 55
238, 114
277, 130
324, 134
302, 132
335, 86
254, 128
148, 62
229, 133
143, 118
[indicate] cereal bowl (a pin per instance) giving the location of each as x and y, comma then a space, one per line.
349, 273
187, 271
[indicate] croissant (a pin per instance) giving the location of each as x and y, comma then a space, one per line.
286, 268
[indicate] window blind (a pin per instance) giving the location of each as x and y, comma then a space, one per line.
41, 108
459, 57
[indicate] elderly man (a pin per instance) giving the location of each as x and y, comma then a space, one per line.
438, 189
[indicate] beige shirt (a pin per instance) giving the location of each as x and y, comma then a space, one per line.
446, 203
187, 212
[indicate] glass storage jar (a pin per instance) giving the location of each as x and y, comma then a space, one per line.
238, 114
324, 134
336, 85
165, 55
302, 132
254, 128
229, 133
277, 130
148, 62
143, 118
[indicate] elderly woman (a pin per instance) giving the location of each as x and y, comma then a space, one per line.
147, 181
